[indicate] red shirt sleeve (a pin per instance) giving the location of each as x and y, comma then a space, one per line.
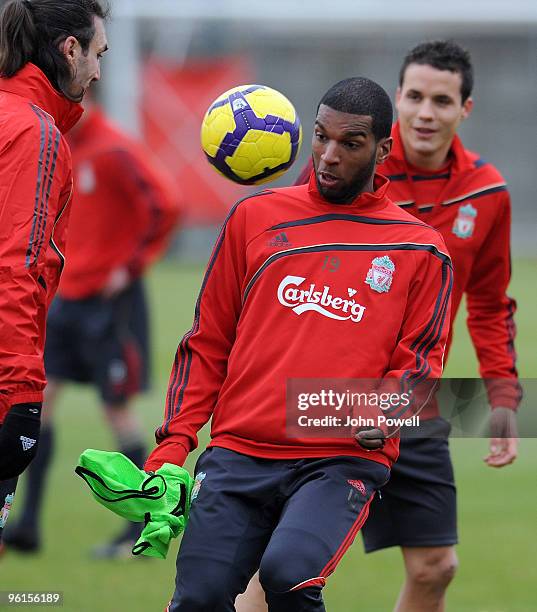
38, 168
152, 196
491, 312
200, 364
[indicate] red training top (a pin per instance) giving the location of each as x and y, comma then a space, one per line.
270, 309
35, 188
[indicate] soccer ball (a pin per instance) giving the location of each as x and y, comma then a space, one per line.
251, 134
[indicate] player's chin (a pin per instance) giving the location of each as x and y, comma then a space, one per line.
425, 146
335, 195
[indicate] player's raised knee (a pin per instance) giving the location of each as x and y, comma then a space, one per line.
285, 573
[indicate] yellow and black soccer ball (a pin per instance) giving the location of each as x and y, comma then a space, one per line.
251, 134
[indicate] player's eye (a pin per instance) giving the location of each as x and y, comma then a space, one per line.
352, 145
320, 137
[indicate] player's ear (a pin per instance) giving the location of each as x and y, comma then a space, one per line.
467, 107
384, 148
70, 48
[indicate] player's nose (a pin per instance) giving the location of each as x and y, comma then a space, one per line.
97, 73
426, 111
330, 154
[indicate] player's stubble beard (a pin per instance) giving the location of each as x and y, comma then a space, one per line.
349, 192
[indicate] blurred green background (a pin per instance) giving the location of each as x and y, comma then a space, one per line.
497, 508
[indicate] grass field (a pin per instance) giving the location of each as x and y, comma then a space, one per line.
497, 509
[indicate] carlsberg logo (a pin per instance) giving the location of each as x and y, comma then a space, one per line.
310, 298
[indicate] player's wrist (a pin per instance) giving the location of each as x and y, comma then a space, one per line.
166, 452
503, 423
509, 408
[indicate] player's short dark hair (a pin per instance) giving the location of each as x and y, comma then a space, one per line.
442, 55
362, 96
33, 30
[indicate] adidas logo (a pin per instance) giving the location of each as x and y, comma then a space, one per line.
359, 485
27, 443
280, 240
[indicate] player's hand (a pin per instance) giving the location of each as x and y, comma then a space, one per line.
117, 282
370, 439
504, 438
19, 435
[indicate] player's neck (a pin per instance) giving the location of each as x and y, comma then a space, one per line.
431, 162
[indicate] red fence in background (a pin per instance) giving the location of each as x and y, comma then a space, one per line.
174, 101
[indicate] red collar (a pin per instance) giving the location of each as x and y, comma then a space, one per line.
461, 161
368, 201
31, 83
